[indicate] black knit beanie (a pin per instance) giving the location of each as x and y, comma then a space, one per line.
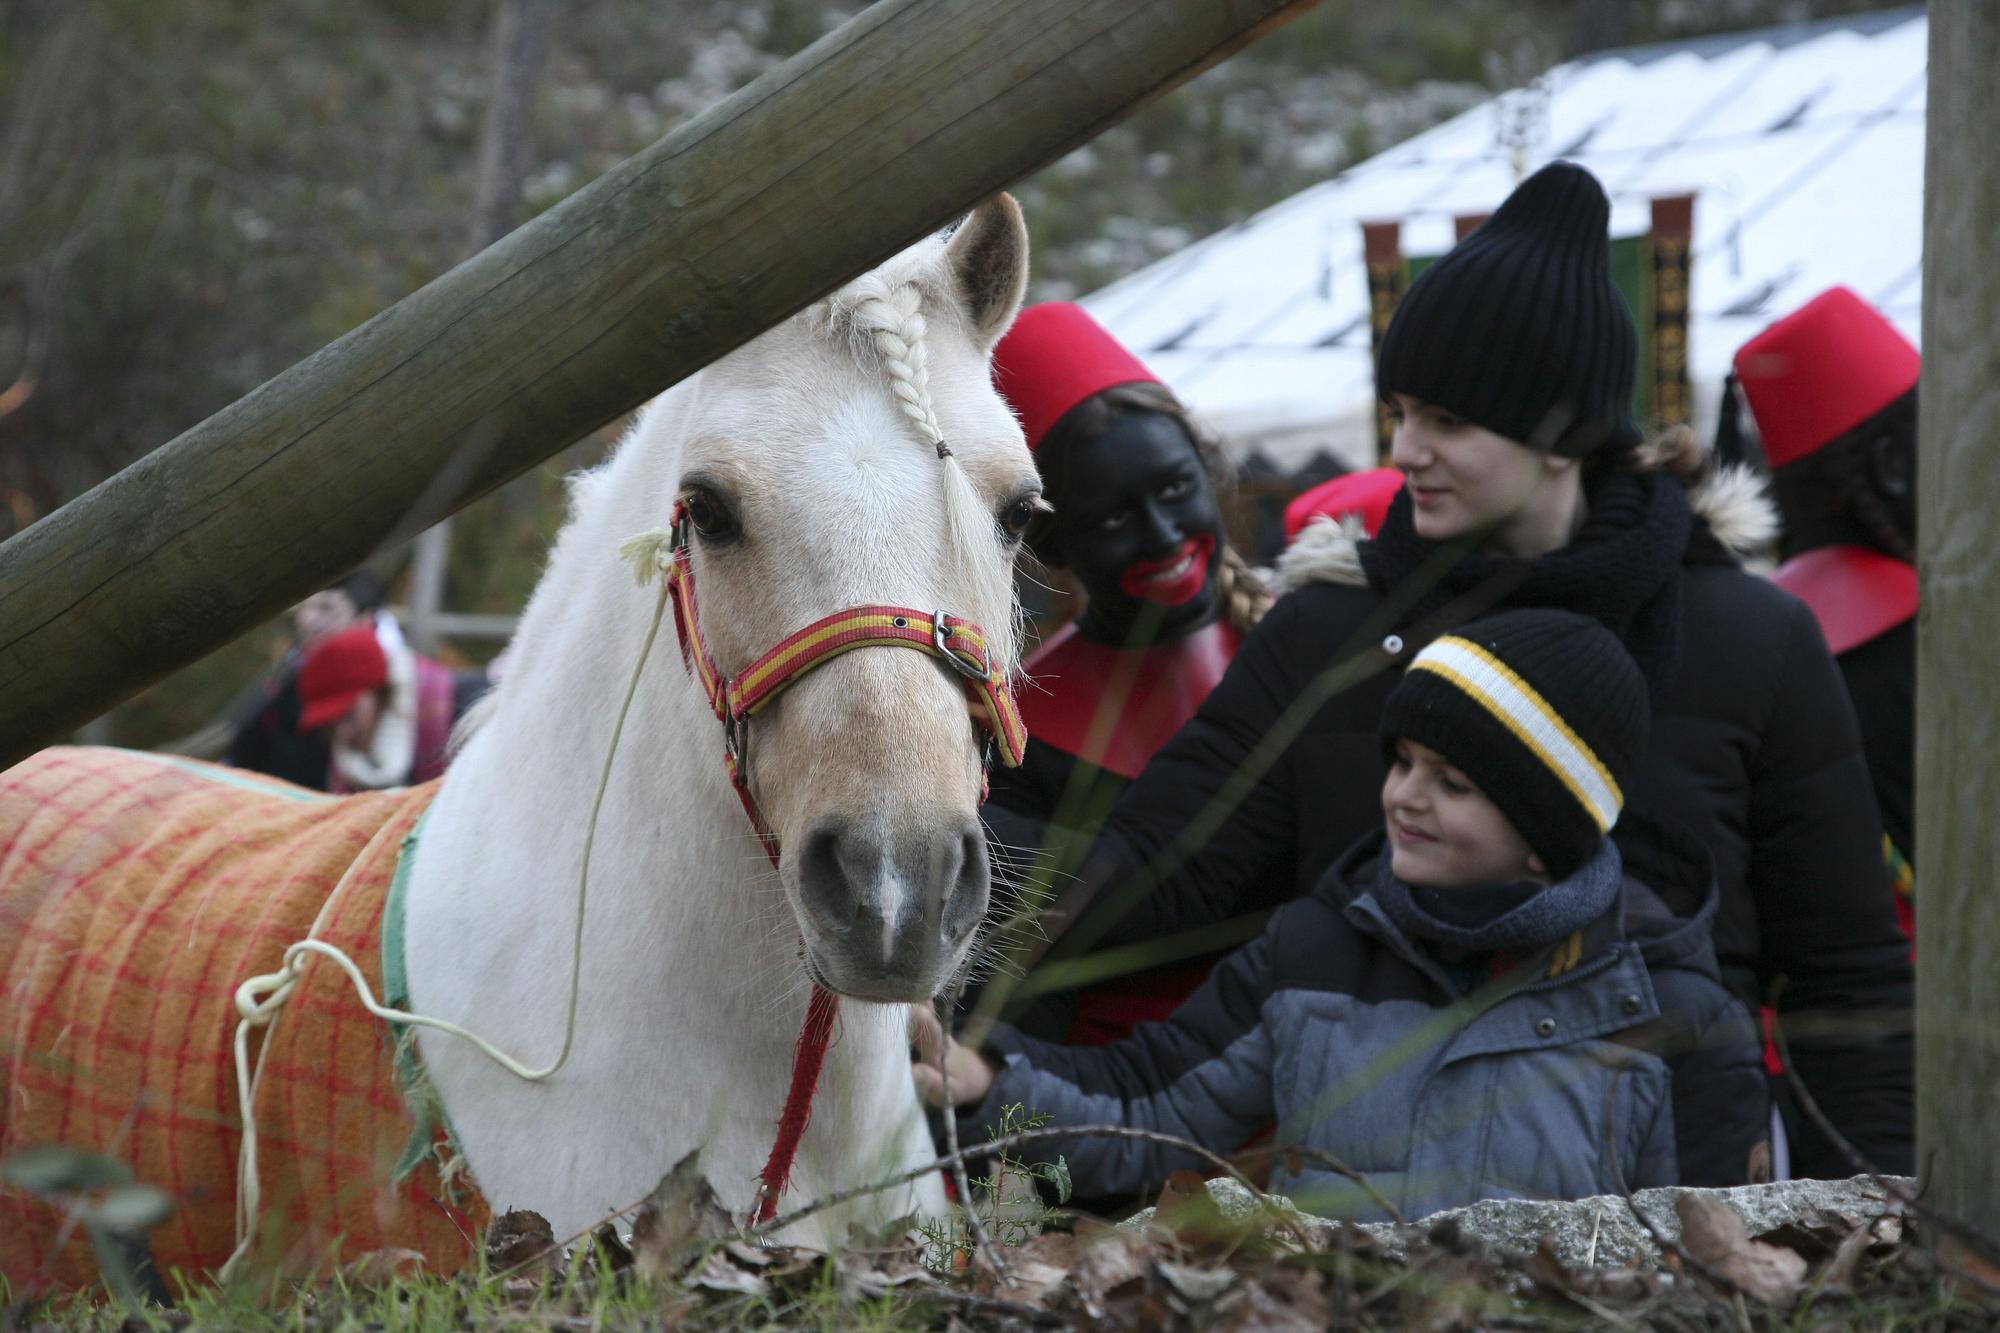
1519, 328
1544, 710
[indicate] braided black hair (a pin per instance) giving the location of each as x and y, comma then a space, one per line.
1839, 480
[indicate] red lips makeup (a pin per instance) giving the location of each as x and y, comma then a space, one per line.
1174, 580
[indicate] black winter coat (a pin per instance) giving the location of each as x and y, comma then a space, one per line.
1881, 677
1753, 752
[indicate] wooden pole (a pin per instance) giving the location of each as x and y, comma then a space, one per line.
1958, 628
878, 134
520, 40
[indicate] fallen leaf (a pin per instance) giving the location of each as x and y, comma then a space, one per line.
750, 1256
719, 1273
1845, 1265
1287, 1300
680, 1217
1714, 1234
1034, 1282
865, 1280
1816, 1233
1106, 1263
522, 1239
607, 1249
1196, 1284
1181, 1188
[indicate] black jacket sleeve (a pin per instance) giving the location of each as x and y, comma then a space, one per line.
1722, 1101
1213, 811
1202, 1074
1826, 918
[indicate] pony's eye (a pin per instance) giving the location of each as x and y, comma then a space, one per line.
710, 517
1018, 516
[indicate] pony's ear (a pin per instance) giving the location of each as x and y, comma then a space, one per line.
988, 255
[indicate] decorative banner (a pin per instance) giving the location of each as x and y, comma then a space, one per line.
1673, 229
1388, 276
1466, 223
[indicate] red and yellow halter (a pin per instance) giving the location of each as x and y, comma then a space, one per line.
736, 699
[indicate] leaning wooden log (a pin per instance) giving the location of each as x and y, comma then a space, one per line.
876, 135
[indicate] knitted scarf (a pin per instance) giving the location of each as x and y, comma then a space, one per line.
1513, 918
1622, 568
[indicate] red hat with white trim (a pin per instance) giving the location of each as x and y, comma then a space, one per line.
1053, 358
1366, 495
338, 670
1821, 371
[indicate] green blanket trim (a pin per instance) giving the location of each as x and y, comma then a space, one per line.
431, 1136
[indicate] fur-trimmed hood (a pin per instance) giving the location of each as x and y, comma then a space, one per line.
1732, 500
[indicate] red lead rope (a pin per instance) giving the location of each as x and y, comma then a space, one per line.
735, 700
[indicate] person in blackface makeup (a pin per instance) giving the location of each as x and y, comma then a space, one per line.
1132, 480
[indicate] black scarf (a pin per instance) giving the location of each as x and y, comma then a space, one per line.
1516, 918
1622, 569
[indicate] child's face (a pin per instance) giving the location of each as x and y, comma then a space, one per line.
1443, 832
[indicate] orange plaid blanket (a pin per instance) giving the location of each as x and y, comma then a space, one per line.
136, 892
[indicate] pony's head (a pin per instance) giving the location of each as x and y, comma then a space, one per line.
813, 480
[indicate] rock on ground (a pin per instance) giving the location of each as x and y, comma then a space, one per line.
1603, 1230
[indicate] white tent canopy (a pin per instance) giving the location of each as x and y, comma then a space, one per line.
1803, 146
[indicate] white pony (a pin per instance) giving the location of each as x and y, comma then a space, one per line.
807, 463
856, 456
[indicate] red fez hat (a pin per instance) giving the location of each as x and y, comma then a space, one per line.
1821, 371
1053, 358
1364, 494
338, 670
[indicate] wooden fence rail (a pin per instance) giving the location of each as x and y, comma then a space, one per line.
881, 132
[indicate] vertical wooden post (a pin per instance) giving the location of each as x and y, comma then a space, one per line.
520, 40
1673, 232
1382, 250
1958, 628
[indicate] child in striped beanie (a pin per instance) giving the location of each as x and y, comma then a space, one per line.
1485, 999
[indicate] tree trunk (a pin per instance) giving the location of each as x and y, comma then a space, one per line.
1958, 630
520, 39
883, 131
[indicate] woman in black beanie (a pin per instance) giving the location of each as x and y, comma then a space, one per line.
1509, 366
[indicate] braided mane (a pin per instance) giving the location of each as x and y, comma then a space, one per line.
892, 320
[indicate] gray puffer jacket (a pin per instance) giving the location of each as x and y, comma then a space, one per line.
1609, 1058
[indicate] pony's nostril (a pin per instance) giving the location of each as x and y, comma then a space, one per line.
824, 887
966, 887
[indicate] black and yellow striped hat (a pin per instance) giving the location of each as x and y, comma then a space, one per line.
1544, 710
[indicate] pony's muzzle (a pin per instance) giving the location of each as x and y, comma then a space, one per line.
887, 912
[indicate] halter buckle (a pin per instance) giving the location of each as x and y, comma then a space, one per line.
736, 738
983, 673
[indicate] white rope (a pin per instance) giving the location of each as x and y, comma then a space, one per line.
260, 999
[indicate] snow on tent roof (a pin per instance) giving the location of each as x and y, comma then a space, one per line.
1803, 146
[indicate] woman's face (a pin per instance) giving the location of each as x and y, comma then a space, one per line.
1445, 833
1464, 479
323, 613
1136, 521
355, 729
